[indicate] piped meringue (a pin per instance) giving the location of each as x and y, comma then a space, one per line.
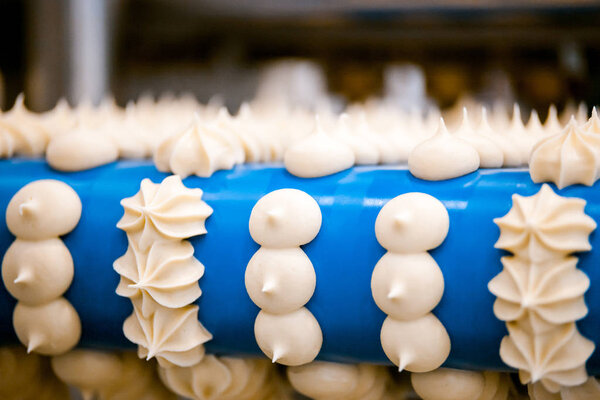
490, 154
418, 345
448, 384
442, 157
81, 149
566, 159
545, 225
49, 329
593, 124
43, 209
168, 210
318, 154
35, 272
173, 335
290, 339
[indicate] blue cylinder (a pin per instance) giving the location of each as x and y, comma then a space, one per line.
344, 254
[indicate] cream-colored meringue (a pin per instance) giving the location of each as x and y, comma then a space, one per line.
137, 380
166, 210
448, 384
549, 293
88, 370
592, 125
358, 138
52, 328
552, 126
206, 380
545, 226
35, 272
7, 144
81, 149
280, 280
407, 286
511, 157
59, 120
534, 126
285, 218
290, 339
490, 154
556, 358
590, 390
43, 209
418, 345
28, 135
318, 154
571, 157
197, 150
442, 157
399, 226
521, 141
167, 274
325, 380
173, 335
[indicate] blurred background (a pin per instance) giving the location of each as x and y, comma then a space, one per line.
535, 52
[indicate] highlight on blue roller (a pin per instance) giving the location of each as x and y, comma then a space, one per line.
343, 254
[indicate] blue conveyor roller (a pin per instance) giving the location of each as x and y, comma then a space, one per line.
343, 254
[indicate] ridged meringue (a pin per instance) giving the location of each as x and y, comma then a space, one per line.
590, 390
593, 124
168, 210
43, 209
318, 154
442, 157
173, 335
168, 273
552, 126
198, 150
549, 293
35, 272
50, 329
29, 138
545, 225
556, 358
570, 157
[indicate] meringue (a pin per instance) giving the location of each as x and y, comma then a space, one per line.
318, 154
545, 226
448, 384
400, 226
285, 218
81, 149
35, 272
566, 159
418, 345
166, 210
442, 157
50, 329
290, 339
490, 154
280, 280
43, 209
173, 335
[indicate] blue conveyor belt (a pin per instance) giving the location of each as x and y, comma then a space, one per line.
343, 254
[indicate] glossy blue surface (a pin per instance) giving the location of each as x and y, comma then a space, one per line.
343, 254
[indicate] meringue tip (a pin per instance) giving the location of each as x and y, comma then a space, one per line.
35, 341
27, 208
401, 219
268, 287
442, 127
23, 277
274, 215
277, 354
396, 292
403, 361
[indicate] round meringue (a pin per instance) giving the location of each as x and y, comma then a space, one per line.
79, 150
37, 272
43, 209
280, 280
324, 380
407, 286
318, 154
285, 218
399, 225
419, 345
49, 329
448, 384
442, 157
290, 339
